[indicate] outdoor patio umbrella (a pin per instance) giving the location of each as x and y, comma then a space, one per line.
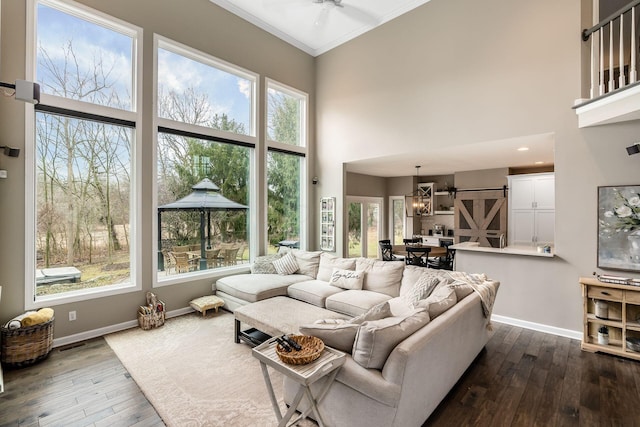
205, 198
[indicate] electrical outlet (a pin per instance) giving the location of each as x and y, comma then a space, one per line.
72, 316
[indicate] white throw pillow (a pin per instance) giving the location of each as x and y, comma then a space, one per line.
286, 265
376, 340
347, 279
377, 312
422, 289
328, 262
339, 336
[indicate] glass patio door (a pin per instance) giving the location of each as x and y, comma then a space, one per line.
364, 226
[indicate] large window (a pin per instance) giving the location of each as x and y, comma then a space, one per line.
206, 127
286, 161
83, 172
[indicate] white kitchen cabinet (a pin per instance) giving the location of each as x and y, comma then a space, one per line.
531, 209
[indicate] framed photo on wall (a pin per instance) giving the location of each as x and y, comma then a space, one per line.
327, 223
619, 227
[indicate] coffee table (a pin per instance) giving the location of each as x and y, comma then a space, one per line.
328, 364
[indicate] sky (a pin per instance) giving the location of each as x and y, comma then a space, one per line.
92, 43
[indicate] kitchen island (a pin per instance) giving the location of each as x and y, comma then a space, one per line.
529, 282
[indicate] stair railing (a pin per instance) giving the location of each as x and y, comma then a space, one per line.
600, 50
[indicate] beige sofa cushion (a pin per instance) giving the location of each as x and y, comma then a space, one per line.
382, 276
354, 303
376, 339
308, 262
313, 291
328, 262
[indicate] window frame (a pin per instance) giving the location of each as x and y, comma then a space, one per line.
161, 124
82, 110
301, 150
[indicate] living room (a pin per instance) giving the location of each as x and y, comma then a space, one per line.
447, 73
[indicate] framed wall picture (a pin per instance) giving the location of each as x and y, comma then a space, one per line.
619, 227
327, 223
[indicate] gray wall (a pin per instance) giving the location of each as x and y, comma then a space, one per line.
456, 72
196, 23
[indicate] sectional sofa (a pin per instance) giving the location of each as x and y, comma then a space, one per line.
410, 332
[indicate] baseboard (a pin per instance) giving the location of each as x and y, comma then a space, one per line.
568, 333
94, 333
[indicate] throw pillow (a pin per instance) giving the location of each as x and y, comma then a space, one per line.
286, 265
440, 301
400, 307
421, 289
375, 340
377, 312
264, 264
328, 262
347, 279
307, 262
339, 336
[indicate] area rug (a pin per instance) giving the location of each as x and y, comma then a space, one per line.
195, 375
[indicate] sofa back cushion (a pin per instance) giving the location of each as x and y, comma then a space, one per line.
440, 301
328, 262
381, 276
308, 262
376, 339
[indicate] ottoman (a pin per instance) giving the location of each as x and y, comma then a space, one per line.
277, 316
205, 303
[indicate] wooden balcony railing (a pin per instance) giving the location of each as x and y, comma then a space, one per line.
614, 51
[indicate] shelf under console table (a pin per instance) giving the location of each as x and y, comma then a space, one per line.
622, 317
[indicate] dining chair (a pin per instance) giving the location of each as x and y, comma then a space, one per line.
443, 262
417, 256
386, 251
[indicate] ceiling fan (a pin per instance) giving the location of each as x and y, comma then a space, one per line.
335, 2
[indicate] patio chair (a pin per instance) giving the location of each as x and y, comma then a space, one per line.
212, 257
183, 263
169, 261
229, 256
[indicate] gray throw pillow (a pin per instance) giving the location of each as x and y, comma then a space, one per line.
264, 264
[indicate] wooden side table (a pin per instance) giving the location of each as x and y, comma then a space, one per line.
328, 363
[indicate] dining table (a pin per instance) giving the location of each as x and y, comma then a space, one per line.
433, 251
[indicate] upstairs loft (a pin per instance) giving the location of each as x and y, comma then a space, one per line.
614, 93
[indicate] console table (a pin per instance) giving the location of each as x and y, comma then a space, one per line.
622, 319
328, 363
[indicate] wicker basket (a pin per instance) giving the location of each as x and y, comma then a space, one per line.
152, 315
26, 346
312, 348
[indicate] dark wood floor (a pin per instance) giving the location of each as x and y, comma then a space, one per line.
522, 378
82, 385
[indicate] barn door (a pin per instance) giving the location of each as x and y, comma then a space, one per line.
481, 216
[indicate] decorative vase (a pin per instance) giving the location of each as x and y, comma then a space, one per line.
634, 246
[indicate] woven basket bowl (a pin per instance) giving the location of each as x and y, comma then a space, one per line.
26, 346
311, 349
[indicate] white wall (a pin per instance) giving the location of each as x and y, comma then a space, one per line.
458, 72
